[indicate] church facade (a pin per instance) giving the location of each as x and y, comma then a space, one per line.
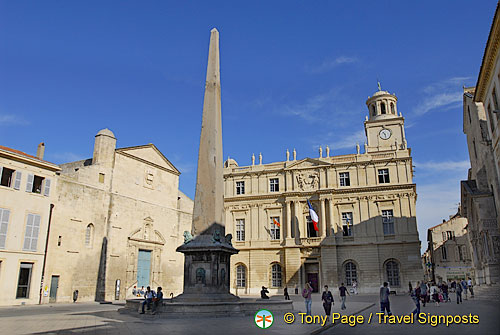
367, 230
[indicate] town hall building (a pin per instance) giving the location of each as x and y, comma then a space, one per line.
367, 230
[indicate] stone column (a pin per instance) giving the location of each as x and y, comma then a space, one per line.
288, 220
296, 206
330, 212
323, 219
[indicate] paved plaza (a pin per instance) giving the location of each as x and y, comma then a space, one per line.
93, 318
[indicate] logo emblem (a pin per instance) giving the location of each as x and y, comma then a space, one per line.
264, 319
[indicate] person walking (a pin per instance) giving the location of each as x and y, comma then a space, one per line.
327, 298
285, 293
423, 293
158, 301
148, 298
458, 292
342, 292
306, 294
384, 299
415, 295
354, 287
435, 293
465, 288
410, 288
469, 283
445, 291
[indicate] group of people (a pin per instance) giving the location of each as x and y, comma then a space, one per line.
150, 298
326, 298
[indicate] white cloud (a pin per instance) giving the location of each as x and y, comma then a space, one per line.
330, 64
443, 166
348, 141
8, 119
312, 110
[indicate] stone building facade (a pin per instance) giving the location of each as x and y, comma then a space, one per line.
118, 219
480, 193
367, 229
448, 250
27, 192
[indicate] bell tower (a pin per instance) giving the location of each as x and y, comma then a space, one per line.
384, 127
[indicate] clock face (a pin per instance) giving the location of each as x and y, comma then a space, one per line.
385, 134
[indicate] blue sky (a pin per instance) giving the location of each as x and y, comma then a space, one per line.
295, 74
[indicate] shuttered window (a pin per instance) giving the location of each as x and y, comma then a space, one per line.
31, 234
46, 190
29, 184
17, 181
4, 223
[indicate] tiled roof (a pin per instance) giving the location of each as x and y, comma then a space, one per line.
22, 154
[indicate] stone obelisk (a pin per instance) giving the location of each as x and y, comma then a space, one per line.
207, 250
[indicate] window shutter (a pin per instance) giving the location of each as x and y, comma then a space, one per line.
17, 182
46, 191
1, 170
36, 229
4, 221
29, 230
29, 184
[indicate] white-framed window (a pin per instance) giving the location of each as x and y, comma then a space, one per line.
24, 280
276, 275
347, 223
7, 177
241, 276
392, 270
351, 273
383, 176
31, 233
89, 235
240, 187
274, 185
344, 179
388, 221
240, 230
4, 224
275, 228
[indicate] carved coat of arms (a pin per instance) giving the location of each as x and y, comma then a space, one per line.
307, 181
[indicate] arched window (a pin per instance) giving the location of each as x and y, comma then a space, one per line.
382, 108
392, 108
89, 235
241, 276
350, 273
392, 269
373, 110
276, 275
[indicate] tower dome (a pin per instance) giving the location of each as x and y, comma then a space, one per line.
382, 105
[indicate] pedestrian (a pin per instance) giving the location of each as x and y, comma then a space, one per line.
306, 294
453, 285
148, 298
415, 295
384, 299
423, 293
355, 287
75, 296
342, 292
410, 288
446, 298
134, 291
458, 292
469, 283
435, 293
465, 288
158, 301
141, 292
327, 298
263, 292
285, 293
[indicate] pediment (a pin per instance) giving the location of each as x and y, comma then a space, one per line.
307, 163
149, 153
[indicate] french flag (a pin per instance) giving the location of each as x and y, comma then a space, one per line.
314, 216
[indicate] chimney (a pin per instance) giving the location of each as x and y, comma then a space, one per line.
40, 151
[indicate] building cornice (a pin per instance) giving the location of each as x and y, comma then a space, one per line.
30, 161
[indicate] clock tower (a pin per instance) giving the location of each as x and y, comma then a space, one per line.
384, 128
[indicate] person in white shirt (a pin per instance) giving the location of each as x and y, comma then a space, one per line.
469, 283
354, 287
148, 298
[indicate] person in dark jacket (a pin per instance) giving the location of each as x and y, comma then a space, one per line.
384, 299
158, 301
285, 293
263, 292
327, 298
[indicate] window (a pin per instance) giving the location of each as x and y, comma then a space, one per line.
6, 177
492, 123
35, 185
240, 187
101, 178
23, 283
89, 235
4, 223
392, 108
450, 235
382, 108
468, 113
344, 179
460, 253
241, 276
392, 269
274, 185
347, 224
374, 112
444, 253
275, 228
240, 230
276, 275
383, 176
311, 232
474, 146
464, 252
350, 273
388, 222
31, 234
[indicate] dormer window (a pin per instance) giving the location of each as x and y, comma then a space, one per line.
382, 108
